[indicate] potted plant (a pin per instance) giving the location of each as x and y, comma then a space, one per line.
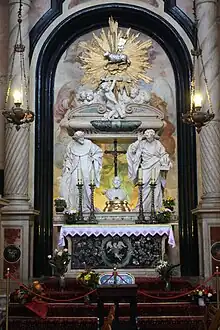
70, 216
163, 215
60, 204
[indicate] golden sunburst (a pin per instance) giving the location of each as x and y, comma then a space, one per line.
115, 55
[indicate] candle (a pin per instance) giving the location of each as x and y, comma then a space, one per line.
140, 174
92, 177
79, 175
153, 175
17, 97
198, 100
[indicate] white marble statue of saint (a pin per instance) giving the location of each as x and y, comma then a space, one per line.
82, 164
146, 158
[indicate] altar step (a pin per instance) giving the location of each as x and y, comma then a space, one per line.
152, 313
91, 323
81, 309
182, 316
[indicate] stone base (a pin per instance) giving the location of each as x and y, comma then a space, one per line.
17, 236
209, 240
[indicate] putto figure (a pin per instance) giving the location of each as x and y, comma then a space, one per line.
82, 158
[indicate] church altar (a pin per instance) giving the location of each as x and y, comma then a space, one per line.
126, 246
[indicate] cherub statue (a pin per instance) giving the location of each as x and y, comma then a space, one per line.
115, 110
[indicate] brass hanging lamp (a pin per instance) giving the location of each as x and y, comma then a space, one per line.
196, 116
17, 115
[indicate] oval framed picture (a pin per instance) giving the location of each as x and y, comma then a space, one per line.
12, 253
215, 251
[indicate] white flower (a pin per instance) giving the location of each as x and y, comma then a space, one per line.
200, 293
209, 294
65, 250
60, 253
64, 262
55, 250
49, 257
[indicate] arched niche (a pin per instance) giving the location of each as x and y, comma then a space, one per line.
53, 47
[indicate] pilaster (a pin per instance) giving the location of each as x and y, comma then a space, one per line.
208, 210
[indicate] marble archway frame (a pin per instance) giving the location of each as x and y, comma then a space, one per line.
50, 47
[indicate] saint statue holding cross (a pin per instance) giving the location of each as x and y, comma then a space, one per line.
147, 158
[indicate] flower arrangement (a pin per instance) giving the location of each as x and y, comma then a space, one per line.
169, 203
165, 270
60, 204
88, 278
163, 215
70, 216
59, 261
203, 292
70, 212
24, 295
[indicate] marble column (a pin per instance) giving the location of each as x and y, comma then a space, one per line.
17, 142
208, 211
17, 221
210, 135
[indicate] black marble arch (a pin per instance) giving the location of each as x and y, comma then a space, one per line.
57, 42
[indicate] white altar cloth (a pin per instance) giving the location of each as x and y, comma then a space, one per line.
119, 230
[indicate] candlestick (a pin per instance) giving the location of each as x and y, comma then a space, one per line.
80, 218
92, 217
141, 217
153, 218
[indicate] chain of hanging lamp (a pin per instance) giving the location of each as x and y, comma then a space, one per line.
195, 116
17, 115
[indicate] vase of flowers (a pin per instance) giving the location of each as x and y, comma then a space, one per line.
202, 295
59, 263
165, 272
70, 216
60, 204
169, 203
89, 279
163, 215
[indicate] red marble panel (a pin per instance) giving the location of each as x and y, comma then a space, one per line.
215, 247
12, 236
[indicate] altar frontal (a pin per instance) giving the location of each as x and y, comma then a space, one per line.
114, 150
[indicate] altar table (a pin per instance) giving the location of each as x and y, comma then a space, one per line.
127, 246
120, 230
